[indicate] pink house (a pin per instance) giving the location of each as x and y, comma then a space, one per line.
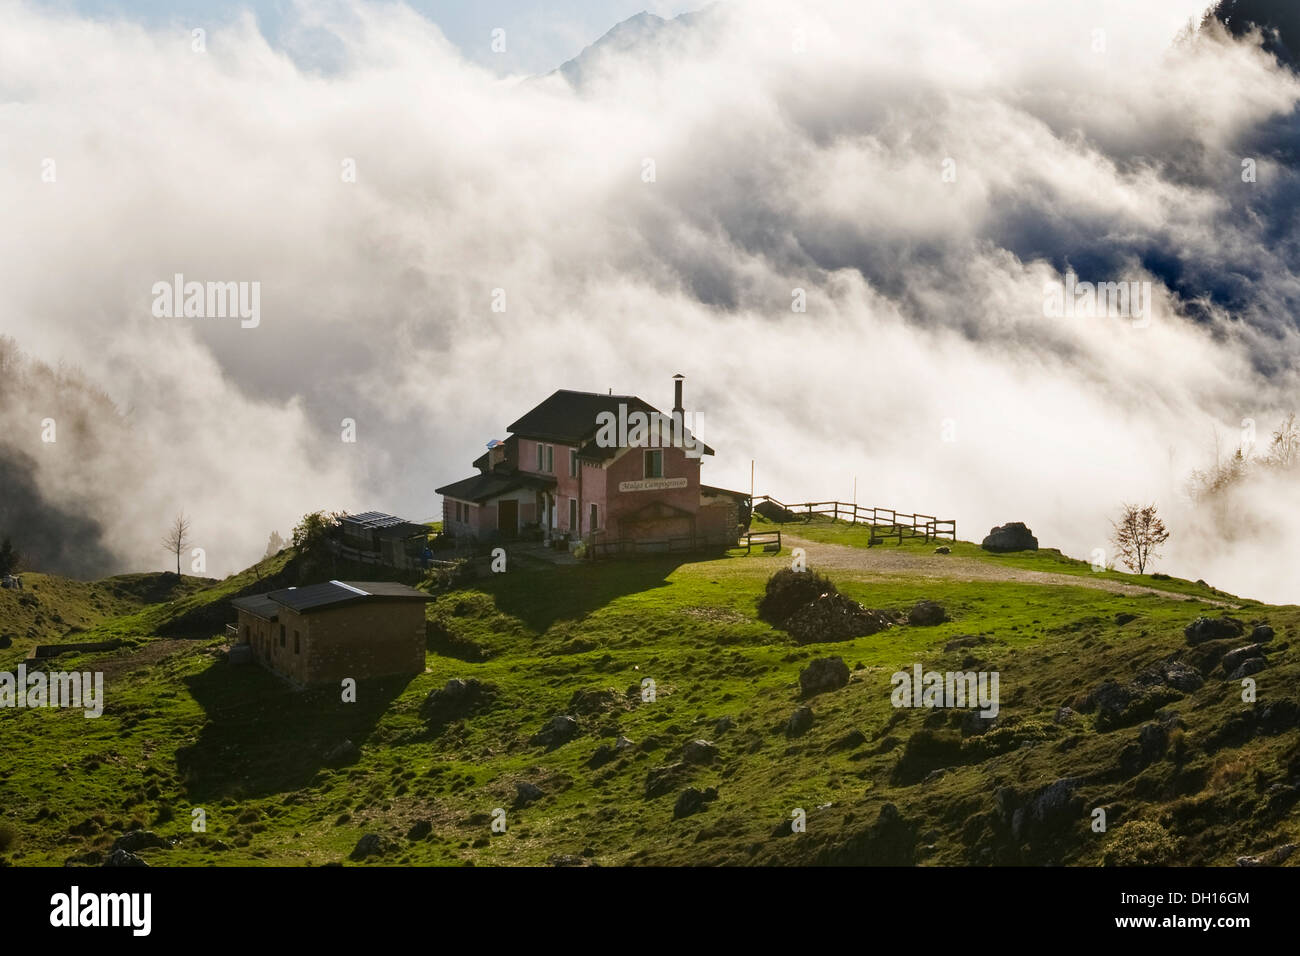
610, 470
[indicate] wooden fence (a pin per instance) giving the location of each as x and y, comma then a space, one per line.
884, 522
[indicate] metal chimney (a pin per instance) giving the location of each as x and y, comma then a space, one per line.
677, 392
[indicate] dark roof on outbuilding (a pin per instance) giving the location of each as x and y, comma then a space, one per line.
328, 594
483, 487
258, 605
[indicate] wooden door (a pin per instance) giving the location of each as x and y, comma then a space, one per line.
508, 518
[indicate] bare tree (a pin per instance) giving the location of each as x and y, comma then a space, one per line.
1137, 535
1286, 443
177, 539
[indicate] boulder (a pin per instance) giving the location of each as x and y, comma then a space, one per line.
558, 730
526, 793
124, 858
927, 614
823, 675
1175, 674
1247, 667
139, 840
699, 752
372, 844
419, 830
800, 722
1261, 634
661, 780
603, 755
1013, 536
691, 801
1233, 659
1212, 629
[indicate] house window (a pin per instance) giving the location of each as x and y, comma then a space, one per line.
550, 459
593, 525
654, 463
573, 463
297, 645
540, 453
573, 514
282, 635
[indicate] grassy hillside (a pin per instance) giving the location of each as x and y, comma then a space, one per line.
1193, 776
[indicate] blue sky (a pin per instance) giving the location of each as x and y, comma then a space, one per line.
540, 35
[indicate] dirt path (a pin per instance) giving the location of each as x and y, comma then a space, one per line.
887, 561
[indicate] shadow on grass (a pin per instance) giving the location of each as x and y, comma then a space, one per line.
263, 737
544, 597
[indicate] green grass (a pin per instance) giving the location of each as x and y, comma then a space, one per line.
1048, 560
184, 729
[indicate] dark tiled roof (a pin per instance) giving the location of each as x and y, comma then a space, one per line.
478, 488
570, 417
723, 491
334, 593
258, 604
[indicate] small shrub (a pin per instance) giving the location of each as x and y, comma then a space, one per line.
789, 590
1140, 843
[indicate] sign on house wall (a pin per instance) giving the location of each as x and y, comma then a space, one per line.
652, 484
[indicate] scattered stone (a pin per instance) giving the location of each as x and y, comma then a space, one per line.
1274, 857
139, 840
943, 549
526, 793
603, 755
1212, 629
372, 844
823, 675
558, 730
723, 725
343, 754
691, 801
834, 617
1261, 634
699, 751
1233, 659
927, 614
1064, 715
1247, 667
1168, 673
124, 858
623, 744
1013, 536
661, 780
799, 723
419, 830
934, 775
